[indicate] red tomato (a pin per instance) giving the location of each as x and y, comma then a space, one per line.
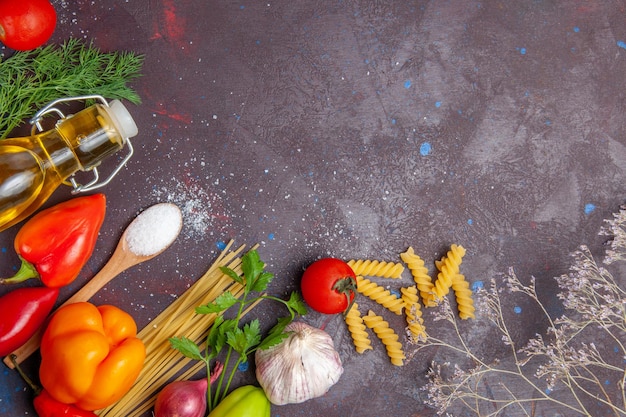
328, 286
26, 24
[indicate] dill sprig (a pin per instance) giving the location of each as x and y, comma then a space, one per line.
30, 79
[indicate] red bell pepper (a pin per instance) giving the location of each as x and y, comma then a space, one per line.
55, 244
23, 312
46, 406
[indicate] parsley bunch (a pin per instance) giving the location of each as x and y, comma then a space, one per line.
31, 79
230, 334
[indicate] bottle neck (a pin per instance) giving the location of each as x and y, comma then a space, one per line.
80, 142
92, 136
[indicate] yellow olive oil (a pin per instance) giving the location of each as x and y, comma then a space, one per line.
32, 167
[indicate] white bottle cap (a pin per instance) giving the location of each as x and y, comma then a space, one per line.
122, 119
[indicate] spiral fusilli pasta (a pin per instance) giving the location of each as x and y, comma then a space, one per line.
464, 301
371, 268
379, 294
413, 311
357, 329
387, 336
448, 267
420, 276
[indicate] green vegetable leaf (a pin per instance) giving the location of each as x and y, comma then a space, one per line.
244, 339
223, 302
232, 274
260, 284
215, 338
31, 79
277, 334
252, 267
187, 347
296, 304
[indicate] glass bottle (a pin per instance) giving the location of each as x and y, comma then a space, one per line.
32, 167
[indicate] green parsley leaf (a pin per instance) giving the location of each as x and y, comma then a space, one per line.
232, 274
260, 284
296, 304
252, 267
244, 339
187, 347
277, 334
223, 302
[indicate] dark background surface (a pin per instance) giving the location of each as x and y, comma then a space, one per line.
355, 129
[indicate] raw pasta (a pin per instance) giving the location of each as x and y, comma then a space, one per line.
387, 336
376, 268
448, 267
420, 276
413, 311
163, 363
379, 294
464, 301
357, 329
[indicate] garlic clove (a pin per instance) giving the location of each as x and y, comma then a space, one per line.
303, 366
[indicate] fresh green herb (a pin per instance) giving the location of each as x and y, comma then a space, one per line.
230, 334
30, 79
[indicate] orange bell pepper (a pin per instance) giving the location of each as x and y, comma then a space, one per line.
90, 356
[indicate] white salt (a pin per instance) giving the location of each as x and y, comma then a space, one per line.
154, 229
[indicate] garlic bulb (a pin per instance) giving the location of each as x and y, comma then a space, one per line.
303, 366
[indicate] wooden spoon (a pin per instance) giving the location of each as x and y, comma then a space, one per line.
123, 258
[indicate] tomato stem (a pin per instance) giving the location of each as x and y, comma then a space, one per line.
27, 270
347, 287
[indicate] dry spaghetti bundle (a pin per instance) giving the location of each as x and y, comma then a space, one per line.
179, 319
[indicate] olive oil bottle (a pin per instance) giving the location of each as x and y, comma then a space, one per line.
32, 167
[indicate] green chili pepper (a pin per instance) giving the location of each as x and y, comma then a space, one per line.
245, 401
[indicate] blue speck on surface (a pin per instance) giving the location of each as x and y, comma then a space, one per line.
438, 104
621, 44
243, 366
477, 286
407, 84
576, 29
470, 222
589, 208
271, 236
517, 309
425, 149
221, 245
393, 121
522, 51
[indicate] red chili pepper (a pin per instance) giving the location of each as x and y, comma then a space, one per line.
23, 312
55, 244
45, 405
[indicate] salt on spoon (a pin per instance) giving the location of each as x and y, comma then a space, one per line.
152, 231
